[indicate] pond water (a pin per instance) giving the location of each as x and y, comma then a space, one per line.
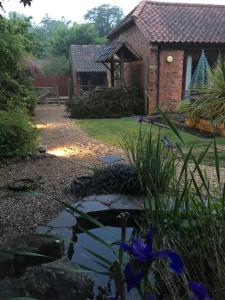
66, 226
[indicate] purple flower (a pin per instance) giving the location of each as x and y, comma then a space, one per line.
133, 277
144, 253
166, 142
141, 119
151, 120
164, 139
150, 297
198, 290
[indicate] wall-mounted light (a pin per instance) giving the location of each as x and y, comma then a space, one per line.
169, 59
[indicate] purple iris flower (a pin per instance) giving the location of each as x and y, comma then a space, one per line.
164, 139
166, 142
143, 252
151, 120
141, 119
198, 290
150, 297
133, 277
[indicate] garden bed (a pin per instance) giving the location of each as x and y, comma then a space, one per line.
206, 125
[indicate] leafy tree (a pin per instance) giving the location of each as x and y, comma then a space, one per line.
25, 2
78, 34
56, 65
105, 17
43, 34
15, 85
53, 37
22, 25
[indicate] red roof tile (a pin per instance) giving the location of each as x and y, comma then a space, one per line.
178, 22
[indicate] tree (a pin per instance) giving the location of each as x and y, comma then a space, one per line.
105, 17
44, 32
15, 85
78, 34
25, 2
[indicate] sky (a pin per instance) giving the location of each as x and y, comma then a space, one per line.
74, 10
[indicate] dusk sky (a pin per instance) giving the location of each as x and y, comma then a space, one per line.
74, 10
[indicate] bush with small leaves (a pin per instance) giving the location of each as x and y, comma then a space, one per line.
18, 136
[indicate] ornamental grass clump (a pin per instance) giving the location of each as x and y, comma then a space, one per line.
153, 158
210, 97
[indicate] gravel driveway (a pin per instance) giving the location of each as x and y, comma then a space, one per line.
70, 153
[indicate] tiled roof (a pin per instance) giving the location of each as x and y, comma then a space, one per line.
109, 51
84, 56
178, 22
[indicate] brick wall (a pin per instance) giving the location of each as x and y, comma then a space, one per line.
134, 72
144, 73
171, 79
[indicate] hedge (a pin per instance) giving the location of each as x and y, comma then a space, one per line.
107, 103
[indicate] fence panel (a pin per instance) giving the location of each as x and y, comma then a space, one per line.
53, 81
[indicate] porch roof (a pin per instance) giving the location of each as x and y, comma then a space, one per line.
119, 48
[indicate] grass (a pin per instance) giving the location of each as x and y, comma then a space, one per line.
112, 131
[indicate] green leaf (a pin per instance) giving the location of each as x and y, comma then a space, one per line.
171, 125
22, 298
217, 162
96, 238
92, 270
84, 215
21, 252
108, 262
66, 268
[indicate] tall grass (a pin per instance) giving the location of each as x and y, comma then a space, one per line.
185, 207
154, 162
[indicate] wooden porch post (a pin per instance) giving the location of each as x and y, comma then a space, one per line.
112, 74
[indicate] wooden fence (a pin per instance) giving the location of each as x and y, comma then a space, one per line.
53, 81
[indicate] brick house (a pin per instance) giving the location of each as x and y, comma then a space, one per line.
86, 73
158, 45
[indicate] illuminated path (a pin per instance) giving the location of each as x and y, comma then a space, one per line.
63, 138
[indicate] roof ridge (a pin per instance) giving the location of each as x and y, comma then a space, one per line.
87, 45
138, 9
183, 3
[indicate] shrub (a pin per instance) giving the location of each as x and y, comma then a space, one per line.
18, 136
56, 66
108, 103
210, 97
183, 107
16, 91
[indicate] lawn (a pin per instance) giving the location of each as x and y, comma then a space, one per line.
112, 131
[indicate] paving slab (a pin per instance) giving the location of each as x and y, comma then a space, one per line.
110, 159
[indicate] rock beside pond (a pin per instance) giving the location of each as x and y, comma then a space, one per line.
50, 248
49, 282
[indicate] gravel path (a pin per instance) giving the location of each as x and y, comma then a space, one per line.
70, 153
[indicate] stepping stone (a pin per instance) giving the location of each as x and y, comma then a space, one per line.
114, 201
92, 206
64, 219
110, 159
